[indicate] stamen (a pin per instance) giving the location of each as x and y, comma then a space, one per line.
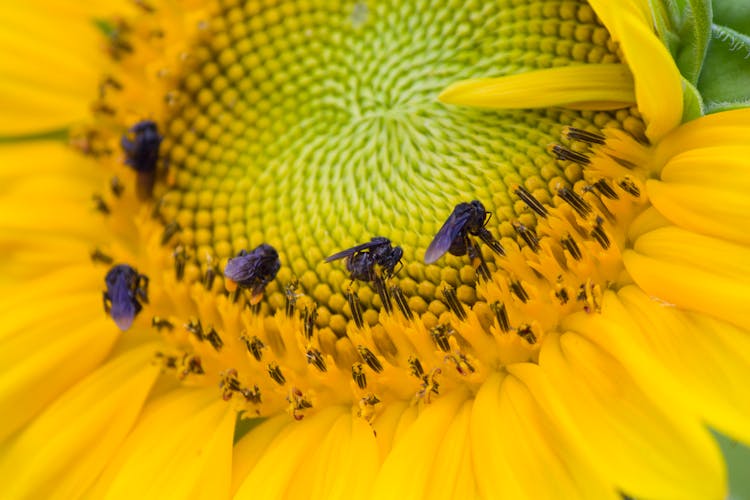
440, 337
98, 256
477, 259
605, 189
162, 324
385, 297
191, 366
571, 246
359, 375
519, 291
356, 307
252, 395
527, 334
575, 200
100, 205
430, 385
180, 260
531, 202
403, 305
577, 134
528, 235
415, 367
562, 153
254, 345
451, 300
629, 187
310, 314
290, 295
315, 358
599, 234
369, 358
115, 185
501, 314
214, 339
275, 372
297, 403
170, 230
194, 326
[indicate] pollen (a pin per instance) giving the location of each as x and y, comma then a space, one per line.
294, 166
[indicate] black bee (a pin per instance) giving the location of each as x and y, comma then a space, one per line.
361, 259
142, 153
466, 219
253, 270
126, 289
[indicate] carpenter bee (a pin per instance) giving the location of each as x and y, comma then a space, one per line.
466, 219
252, 270
142, 152
362, 259
126, 289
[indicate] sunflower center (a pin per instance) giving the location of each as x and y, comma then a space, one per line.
314, 127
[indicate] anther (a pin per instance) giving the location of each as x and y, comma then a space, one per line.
169, 362
254, 346
605, 189
161, 324
439, 335
116, 186
297, 403
210, 275
214, 339
275, 372
531, 202
528, 235
308, 321
144, 5
599, 234
194, 326
451, 300
525, 332
415, 367
191, 366
99, 256
290, 294
563, 153
518, 290
170, 230
180, 260
463, 367
252, 396
430, 385
229, 383
359, 375
315, 358
501, 314
369, 358
571, 246
385, 297
100, 205
629, 187
403, 305
356, 307
577, 134
575, 200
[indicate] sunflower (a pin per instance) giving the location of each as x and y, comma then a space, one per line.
331, 249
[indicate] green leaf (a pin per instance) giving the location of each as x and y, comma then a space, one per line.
695, 34
725, 78
692, 102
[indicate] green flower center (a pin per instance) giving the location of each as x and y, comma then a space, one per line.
314, 126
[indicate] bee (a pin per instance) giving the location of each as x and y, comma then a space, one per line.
362, 259
253, 270
466, 219
142, 153
126, 289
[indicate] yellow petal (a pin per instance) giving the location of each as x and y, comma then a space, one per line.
693, 271
586, 86
406, 471
705, 357
36, 353
517, 450
342, 465
248, 450
274, 472
644, 446
181, 447
64, 449
658, 87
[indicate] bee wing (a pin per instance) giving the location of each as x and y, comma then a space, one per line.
124, 307
444, 238
375, 242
